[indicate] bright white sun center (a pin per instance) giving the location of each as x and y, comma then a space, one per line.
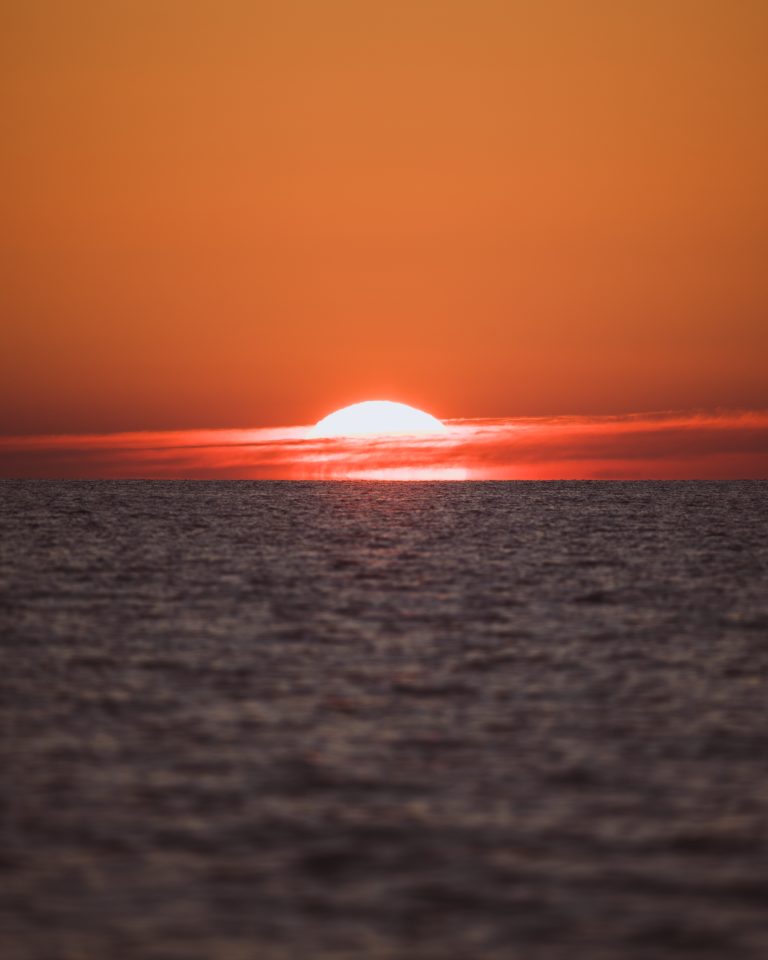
381, 417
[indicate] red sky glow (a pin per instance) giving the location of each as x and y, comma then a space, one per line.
638, 446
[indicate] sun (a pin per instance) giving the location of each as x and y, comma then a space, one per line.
377, 417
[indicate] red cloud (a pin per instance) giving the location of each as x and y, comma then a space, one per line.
661, 445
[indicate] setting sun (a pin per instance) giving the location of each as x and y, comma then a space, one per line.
377, 417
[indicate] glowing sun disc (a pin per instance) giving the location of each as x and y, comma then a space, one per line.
377, 417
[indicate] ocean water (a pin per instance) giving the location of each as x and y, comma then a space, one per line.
384, 720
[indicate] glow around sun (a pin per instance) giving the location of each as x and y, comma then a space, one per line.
377, 417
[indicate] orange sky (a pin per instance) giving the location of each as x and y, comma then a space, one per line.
245, 213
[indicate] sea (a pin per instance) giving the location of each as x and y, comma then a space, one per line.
247, 720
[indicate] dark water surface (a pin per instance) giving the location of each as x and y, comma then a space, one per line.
261, 721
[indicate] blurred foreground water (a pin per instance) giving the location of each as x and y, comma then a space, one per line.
262, 721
